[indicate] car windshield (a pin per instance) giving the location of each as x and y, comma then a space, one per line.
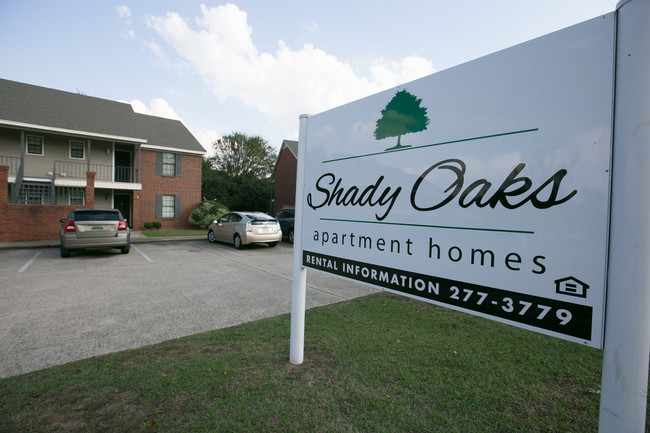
96, 216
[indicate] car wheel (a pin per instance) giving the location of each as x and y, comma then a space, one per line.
64, 253
237, 242
211, 237
291, 236
273, 244
125, 250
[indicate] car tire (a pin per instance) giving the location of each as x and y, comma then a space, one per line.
273, 244
291, 236
237, 242
125, 250
211, 236
64, 253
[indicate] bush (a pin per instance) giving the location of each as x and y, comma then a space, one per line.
148, 225
206, 212
157, 224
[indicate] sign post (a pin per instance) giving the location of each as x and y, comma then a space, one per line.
627, 330
299, 280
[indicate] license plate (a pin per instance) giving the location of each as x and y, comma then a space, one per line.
97, 228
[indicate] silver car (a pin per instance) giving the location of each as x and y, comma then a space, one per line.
243, 228
94, 228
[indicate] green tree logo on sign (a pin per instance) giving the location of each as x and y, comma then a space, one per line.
402, 115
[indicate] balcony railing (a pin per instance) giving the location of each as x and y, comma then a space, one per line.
107, 173
12, 161
45, 193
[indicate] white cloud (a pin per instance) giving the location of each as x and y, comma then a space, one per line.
157, 107
123, 11
280, 85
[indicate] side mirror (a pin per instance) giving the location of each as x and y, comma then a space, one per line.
215, 222
62, 220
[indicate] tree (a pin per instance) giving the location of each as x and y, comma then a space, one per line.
402, 115
239, 154
238, 176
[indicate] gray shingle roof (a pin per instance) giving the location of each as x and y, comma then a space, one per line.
292, 145
49, 109
167, 133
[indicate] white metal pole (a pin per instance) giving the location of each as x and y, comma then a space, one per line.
299, 279
627, 327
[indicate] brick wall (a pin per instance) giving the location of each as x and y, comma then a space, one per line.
32, 222
188, 186
284, 185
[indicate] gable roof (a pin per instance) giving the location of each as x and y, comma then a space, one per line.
167, 134
292, 145
44, 109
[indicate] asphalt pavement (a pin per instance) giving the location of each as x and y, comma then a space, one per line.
55, 310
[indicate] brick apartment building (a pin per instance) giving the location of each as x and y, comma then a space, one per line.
284, 176
61, 150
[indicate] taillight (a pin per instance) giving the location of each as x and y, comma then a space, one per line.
69, 227
249, 227
121, 226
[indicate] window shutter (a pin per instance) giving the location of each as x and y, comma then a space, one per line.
159, 160
179, 164
177, 206
158, 206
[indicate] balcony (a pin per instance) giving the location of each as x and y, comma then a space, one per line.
13, 162
106, 176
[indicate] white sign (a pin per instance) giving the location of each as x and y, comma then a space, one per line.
484, 188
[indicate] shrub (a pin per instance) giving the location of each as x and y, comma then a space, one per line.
206, 212
148, 225
157, 224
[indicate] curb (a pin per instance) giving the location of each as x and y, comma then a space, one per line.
136, 238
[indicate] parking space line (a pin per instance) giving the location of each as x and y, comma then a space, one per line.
143, 254
24, 268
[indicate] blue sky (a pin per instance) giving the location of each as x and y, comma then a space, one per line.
254, 66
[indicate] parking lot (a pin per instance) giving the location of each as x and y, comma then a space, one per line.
56, 310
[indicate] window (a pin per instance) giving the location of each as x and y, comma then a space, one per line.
34, 145
76, 149
168, 206
169, 164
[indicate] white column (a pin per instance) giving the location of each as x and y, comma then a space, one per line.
299, 279
627, 329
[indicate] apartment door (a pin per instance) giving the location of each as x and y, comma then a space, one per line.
122, 202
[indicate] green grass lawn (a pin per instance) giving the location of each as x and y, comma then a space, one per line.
381, 363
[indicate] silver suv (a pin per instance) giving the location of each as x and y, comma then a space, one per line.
94, 228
